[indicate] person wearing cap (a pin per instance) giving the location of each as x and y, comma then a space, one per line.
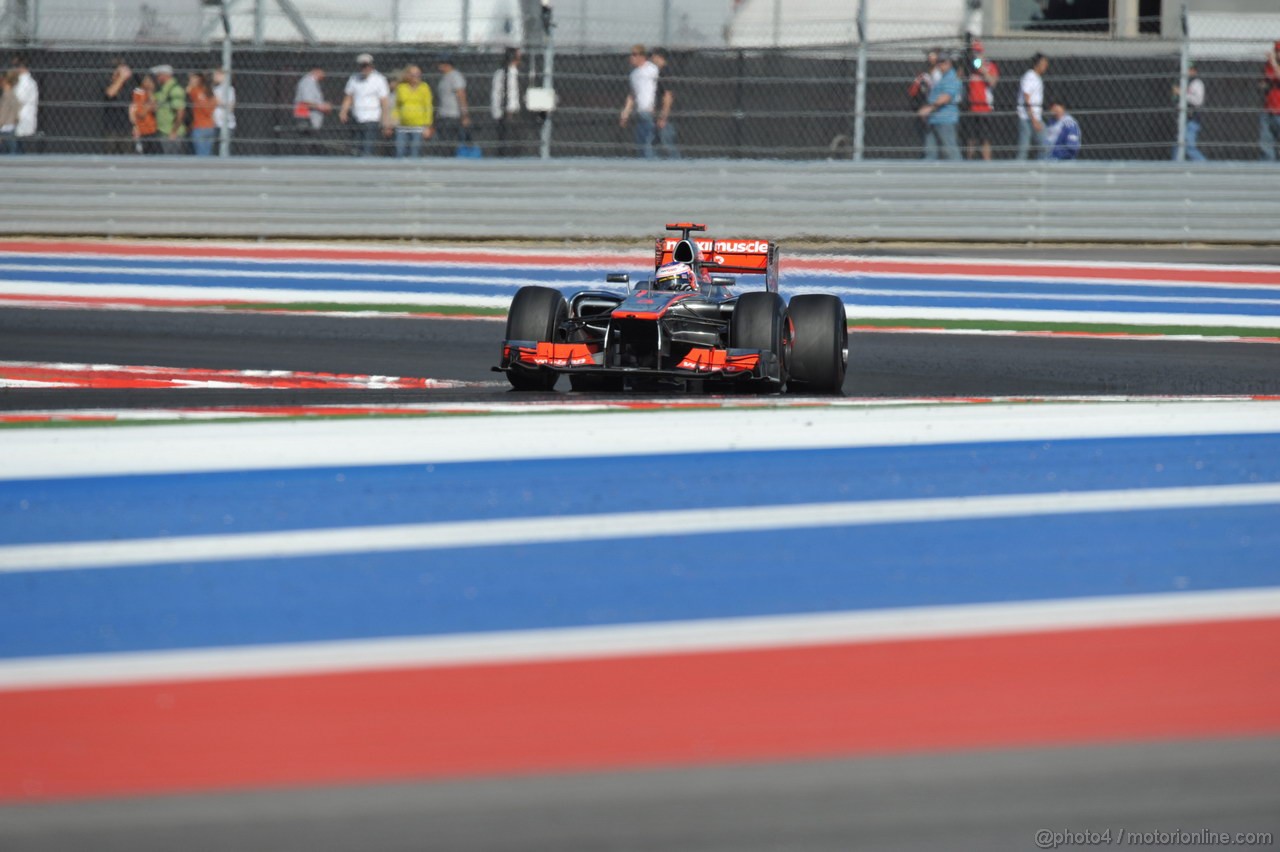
942, 114
1031, 107
983, 75
366, 99
171, 106
1269, 125
1195, 101
453, 115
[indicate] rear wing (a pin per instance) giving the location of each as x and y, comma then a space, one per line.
744, 257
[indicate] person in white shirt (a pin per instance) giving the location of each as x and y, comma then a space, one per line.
504, 103
224, 114
28, 95
365, 99
642, 100
1195, 102
1031, 108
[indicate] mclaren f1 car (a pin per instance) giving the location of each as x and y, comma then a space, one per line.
686, 326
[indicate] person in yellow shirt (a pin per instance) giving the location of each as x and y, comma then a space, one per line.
413, 112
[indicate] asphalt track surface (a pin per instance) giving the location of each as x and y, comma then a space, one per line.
882, 365
979, 800
992, 800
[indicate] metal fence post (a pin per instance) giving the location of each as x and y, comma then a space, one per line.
224, 133
548, 80
1184, 60
860, 86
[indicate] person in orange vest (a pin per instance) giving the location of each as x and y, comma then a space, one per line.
983, 75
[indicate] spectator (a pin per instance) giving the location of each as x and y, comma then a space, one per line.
365, 98
310, 108
1269, 130
1195, 101
1062, 136
942, 113
203, 103
413, 112
142, 115
117, 132
224, 115
504, 103
983, 75
1031, 106
9, 109
666, 96
453, 116
28, 95
918, 91
171, 106
642, 99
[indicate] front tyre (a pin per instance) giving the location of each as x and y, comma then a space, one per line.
536, 313
820, 351
760, 322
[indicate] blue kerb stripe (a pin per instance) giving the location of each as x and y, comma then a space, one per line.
100, 508
638, 580
482, 280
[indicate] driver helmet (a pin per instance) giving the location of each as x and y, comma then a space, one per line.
675, 276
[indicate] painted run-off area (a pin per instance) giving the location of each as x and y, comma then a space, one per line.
804, 638
1004, 296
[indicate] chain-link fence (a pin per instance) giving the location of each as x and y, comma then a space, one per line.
840, 99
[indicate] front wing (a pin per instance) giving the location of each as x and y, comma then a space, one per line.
697, 363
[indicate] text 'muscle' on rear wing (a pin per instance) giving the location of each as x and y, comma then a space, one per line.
743, 257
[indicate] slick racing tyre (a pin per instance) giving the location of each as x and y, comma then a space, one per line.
760, 322
820, 350
536, 313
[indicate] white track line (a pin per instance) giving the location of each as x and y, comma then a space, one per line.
414, 537
48, 453
680, 637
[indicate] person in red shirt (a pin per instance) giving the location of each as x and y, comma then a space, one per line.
142, 115
1269, 134
203, 103
981, 95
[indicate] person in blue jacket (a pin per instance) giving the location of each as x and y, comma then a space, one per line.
1062, 136
942, 114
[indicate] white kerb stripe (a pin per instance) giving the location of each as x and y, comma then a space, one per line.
678, 637
407, 537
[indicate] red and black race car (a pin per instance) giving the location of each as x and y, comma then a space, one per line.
684, 327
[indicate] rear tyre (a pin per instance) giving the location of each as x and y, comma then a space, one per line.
536, 313
820, 351
760, 322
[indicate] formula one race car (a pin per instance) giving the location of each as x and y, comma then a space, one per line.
685, 327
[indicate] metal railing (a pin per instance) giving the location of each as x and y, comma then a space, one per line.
617, 199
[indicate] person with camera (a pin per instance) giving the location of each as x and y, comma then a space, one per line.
983, 74
1269, 129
